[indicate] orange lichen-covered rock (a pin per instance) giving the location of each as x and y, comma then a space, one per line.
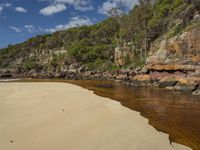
143, 77
189, 80
161, 67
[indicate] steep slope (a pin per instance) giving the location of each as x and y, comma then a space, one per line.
52, 52
155, 31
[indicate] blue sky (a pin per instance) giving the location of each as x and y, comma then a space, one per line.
22, 19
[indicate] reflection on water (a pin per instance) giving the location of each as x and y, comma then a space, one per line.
174, 113
171, 112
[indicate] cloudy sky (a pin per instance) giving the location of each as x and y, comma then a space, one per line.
22, 19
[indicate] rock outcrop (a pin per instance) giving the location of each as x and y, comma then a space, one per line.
183, 49
174, 63
124, 54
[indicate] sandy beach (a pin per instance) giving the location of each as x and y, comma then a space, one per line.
60, 116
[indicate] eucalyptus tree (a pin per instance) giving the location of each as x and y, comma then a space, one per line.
117, 13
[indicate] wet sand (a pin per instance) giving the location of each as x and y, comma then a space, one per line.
171, 112
60, 116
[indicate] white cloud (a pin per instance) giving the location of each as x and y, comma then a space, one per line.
4, 5
15, 29
1, 9
20, 10
30, 28
33, 29
106, 6
84, 8
52, 9
81, 5
73, 22
126, 5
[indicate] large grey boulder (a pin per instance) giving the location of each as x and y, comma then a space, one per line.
196, 92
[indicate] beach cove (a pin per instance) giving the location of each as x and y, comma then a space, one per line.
63, 116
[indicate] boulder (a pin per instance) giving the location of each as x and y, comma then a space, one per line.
170, 88
185, 87
135, 83
121, 77
142, 77
196, 74
137, 70
156, 84
118, 81
81, 69
74, 66
157, 76
3, 71
196, 92
72, 71
167, 82
63, 74
88, 73
145, 70
123, 72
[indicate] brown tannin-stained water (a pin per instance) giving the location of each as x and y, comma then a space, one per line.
174, 113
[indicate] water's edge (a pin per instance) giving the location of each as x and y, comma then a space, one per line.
145, 104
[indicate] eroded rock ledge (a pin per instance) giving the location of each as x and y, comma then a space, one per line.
184, 78
174, 77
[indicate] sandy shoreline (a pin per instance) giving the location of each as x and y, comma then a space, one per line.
60, 116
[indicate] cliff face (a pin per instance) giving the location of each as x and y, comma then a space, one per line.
180, 45
174, 63
124, 55
181, 49
178, 53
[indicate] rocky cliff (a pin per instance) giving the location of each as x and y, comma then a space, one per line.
173, 60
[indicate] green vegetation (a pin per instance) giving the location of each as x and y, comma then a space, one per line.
30, 64
101, 65
93, 46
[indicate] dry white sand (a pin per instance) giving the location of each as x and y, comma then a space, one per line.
59, 116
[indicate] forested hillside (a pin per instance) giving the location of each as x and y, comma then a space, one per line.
94, 47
